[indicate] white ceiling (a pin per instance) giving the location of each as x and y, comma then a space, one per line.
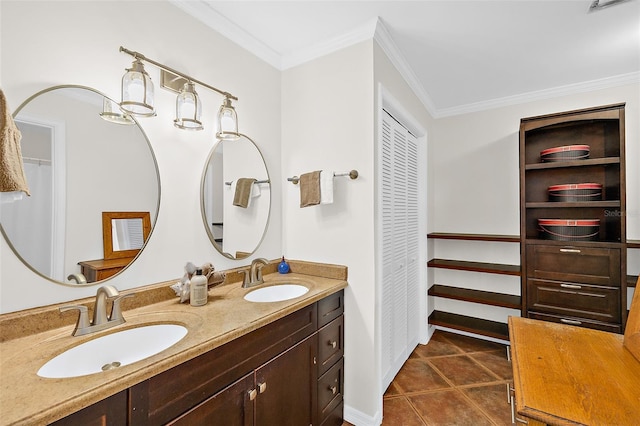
457, 55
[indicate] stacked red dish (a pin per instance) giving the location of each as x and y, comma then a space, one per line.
565, 153
569, 229
575, 192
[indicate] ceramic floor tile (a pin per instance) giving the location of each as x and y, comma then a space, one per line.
448, 407
493, 401
471, 344
392, 390
437, 346
462, 370
417, 375
420, 395
399, 412
496, 361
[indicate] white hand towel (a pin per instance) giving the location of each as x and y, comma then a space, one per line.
326, 187
255, 192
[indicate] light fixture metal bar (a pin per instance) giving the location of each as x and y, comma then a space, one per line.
138, 55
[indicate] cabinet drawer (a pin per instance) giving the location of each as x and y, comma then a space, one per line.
586, 265
597, 325
330, 344
330, 308
330, 390
576, 300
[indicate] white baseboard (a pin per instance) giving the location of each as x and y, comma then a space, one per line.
358, 418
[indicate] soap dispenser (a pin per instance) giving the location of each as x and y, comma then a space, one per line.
199, 291
283, 267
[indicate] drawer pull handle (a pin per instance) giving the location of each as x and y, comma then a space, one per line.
572, 322
573, 286
569, 250
332, 343
252, 394
333, 389
262, 387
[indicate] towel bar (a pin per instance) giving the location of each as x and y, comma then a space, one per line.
353, 174
258, 181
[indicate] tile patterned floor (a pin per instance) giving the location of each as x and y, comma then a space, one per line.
453, 380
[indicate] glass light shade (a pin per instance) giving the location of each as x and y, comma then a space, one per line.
111, 112
188, 109
227, 122
137, 91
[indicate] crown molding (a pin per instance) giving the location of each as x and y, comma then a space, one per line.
318, 50
200, 10
389, 47
376, 29
554, 92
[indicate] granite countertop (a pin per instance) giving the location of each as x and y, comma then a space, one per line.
26, 398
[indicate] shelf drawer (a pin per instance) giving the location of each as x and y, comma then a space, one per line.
330, 391
576, 300
574, 263
330, 308
330, 344
581, 322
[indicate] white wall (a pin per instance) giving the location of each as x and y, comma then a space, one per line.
475, 160
328, 122
475, 185
50, 43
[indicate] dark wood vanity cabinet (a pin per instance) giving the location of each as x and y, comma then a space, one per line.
570, 279
289, 372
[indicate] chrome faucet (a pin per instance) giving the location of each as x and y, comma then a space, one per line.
253, 275
101, 321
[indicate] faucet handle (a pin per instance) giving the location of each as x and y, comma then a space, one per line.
116, 309
246, 280
83, 317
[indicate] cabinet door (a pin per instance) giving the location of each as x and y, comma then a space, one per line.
287, 387
111, 411
233, 406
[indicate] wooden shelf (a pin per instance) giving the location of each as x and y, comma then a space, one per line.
476, 296
474, 237
573, 163
483, 327
461, 265
632, 280
576, 204
634, 244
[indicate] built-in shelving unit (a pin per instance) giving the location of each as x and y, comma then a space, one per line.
568, 277
470, 324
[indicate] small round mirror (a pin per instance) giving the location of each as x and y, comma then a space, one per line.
236, 197
82, 159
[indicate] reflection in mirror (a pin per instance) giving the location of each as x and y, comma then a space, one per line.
236, 197
77, 166
124, 233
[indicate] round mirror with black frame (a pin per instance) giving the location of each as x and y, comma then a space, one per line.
82, 158
236, 197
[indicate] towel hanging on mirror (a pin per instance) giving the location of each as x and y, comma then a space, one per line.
12, 177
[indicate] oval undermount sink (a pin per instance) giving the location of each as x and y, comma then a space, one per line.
113, 350
276, 293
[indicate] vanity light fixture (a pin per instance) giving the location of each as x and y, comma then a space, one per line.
137, 91
188, 105
113, 113
227, 121
188, 109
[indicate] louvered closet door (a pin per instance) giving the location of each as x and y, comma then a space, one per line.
400, 298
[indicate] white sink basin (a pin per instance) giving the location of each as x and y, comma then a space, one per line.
276, 293
113, 350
